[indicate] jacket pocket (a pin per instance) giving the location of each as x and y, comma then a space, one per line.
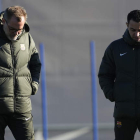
29, 79
123, 91
2, 80
23, 104
23, 86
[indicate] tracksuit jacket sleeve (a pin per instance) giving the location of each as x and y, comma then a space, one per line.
107, 74
34, 63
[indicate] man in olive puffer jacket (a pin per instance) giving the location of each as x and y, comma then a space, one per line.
19, 73
119, 78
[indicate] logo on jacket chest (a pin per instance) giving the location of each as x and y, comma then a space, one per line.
22, 47
121, 54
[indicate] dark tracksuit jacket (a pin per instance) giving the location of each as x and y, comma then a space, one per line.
119, 76
19, 66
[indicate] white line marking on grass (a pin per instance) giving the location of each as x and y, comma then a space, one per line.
71, 135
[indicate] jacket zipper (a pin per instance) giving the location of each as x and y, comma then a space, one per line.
14, 76
136, 82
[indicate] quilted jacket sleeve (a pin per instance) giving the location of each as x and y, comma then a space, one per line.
107, 73
34, 62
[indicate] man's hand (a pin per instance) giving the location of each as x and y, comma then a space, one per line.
34, 87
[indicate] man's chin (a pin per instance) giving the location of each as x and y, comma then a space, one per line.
137, 40
12, 38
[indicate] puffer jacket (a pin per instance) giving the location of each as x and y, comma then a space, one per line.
19, 66
119, 76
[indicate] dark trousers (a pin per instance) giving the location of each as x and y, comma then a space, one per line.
125, 129
21, 125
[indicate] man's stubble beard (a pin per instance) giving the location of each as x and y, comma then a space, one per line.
9, 37
12, 39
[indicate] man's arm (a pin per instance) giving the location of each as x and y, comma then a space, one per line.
107, 74
34, 66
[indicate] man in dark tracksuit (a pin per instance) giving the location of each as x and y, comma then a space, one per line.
19, 74
119, 78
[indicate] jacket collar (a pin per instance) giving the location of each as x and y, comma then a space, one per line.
2, 33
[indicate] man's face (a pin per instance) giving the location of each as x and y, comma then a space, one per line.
13, 28
134, 30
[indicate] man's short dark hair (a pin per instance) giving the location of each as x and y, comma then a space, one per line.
134, 15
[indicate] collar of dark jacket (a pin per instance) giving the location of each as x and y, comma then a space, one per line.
129, 40
2, 33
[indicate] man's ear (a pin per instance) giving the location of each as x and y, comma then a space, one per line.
127, 24
3, 20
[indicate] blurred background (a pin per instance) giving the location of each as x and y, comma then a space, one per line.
66, 28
